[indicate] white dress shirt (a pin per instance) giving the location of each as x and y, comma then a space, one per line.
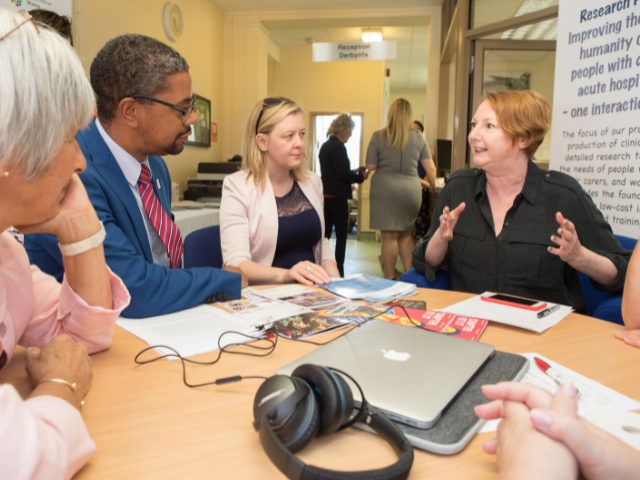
131, 169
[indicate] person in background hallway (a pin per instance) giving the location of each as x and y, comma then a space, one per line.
337, 178
423, 220
541, 436
271, 215
499, 227
394, 152
45, 437
145, 110
59, 23
631, 302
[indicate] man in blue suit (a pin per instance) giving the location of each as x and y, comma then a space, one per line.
145, 109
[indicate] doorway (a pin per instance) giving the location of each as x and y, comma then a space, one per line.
320, 123
515, 65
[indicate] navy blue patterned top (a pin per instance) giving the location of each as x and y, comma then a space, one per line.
299, 229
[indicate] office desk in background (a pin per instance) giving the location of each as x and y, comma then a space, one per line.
191, 220
148, 425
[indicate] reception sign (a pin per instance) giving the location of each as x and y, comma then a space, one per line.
354, 51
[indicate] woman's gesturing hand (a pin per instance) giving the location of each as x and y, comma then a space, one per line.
569, 249
309, 273
448, 221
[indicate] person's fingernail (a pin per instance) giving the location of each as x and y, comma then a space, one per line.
553, 238
617, 333
541, 418
567, 390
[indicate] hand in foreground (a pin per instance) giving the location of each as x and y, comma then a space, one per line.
245, 278
630, 337
448, 221
570, 248
62, 358
523, 452
599, 455
309, 273
365, 174
76, 220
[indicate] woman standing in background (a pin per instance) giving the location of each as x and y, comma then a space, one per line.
337, 178
394, 152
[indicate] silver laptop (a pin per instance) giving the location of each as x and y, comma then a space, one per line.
409, 373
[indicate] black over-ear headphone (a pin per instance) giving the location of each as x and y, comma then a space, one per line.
290, 411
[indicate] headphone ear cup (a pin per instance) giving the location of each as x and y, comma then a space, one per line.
334, 394
304, 424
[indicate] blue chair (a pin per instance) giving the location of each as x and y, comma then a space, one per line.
202, 248
601, 305
442, 281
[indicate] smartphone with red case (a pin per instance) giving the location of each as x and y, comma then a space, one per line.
513, 301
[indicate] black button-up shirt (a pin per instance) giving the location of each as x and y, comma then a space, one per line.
517, 261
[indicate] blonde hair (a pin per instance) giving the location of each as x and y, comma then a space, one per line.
399, 124
341, 124
253, 159
522, 114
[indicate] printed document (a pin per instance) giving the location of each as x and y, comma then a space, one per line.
189, 332
593, 395
517, 317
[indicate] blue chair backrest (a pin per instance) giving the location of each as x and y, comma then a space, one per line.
592, 297
202, 248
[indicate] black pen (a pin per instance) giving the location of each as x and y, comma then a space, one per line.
548, 311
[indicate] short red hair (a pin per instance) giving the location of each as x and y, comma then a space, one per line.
522, 114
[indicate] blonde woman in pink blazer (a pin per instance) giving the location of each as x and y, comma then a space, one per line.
44, 436
271, 217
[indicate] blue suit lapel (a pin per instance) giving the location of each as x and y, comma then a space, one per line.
106, 166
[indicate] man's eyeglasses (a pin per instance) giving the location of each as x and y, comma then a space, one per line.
29, 19
186, 111
270, 102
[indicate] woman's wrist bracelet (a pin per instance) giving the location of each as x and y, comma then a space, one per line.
72, 249
72, 386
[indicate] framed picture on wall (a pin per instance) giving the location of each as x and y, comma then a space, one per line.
201, 130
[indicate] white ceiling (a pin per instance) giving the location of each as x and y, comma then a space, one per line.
287, 5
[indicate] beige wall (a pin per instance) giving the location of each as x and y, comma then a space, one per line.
333, 87
201, 45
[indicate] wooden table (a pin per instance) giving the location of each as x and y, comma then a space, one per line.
147, 424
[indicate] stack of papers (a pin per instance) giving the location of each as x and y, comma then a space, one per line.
301, 296
261, 311
517, 317
308, 324
593, 395
370, 289
356, 312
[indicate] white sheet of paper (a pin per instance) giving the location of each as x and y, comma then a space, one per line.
190, 332
593, 395
517, 317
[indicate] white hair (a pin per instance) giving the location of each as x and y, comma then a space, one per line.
44, 93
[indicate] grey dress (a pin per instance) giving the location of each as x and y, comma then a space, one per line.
396, 192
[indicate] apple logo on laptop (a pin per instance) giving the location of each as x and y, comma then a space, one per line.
396, 356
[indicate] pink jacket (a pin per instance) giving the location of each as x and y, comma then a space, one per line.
45, 437
249, 220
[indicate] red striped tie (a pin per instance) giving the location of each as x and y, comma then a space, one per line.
168, 231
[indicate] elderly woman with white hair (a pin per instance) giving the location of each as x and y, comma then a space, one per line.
337, 178
44, 99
